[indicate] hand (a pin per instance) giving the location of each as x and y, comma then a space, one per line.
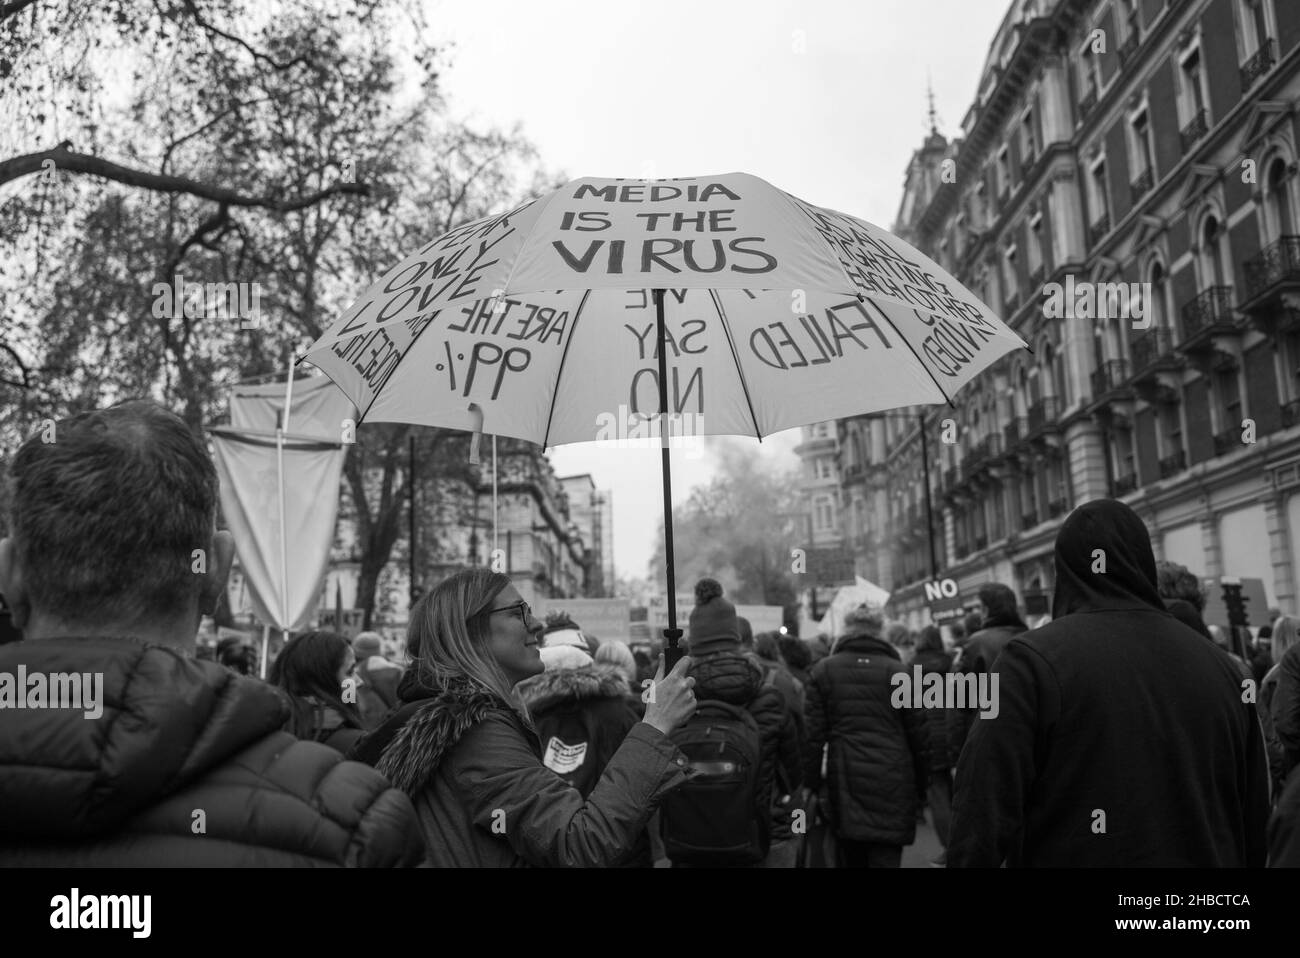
672, 700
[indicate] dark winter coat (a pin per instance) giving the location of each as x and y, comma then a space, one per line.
977, 657
1273, 747
1284, 829
581, 716
736, 678
1285, 711
179, 735
1113, 716
377, 693
484, 798
877, 762
936, 720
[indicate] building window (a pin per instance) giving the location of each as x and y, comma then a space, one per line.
1227, 391
1009, 280
1289, 348
1131, 11
1159, 305
1210, 260
1035, 250
1142, 150
1171, 422
1279, 215
1098, 194
1193, 97
1089, 69
1028, 138
1253, 18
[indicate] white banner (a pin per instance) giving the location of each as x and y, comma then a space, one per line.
603, 618
248, 468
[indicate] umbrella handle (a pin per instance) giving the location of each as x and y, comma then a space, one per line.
477, 412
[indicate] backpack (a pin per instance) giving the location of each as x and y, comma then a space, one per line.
715, 817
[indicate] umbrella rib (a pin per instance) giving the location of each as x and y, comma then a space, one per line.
523, 243
744, 386
560, 372
885, 317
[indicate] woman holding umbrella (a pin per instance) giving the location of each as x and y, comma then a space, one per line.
462, 745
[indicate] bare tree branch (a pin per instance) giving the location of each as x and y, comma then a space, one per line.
256, 54
64, 159
13, 7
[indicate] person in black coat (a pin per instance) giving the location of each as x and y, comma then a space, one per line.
1122, 738
932, 659
1000, 622
877, 761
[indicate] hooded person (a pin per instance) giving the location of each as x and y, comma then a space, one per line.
379, 677
724, 672
877, 761
1121, 737
1000, 622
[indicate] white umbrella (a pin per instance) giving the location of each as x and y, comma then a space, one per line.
773, 313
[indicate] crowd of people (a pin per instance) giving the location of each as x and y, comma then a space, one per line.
1126, 732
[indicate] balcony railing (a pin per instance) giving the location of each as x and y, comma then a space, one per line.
1044, 414
1260, 63
1029, 519
1098, 229
1211, 308
1150, 347
1088, 101
1195, 129
1109, 376
1227, 441
1142, 185
1277, 262
1291, 413
1173, 464
1058, 507
1125, 484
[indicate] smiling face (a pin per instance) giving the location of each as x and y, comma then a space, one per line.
513, 642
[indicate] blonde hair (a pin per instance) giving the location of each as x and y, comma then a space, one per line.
1285, 632
448, 636
617, 654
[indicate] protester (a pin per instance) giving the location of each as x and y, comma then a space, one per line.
237, 655
1000, 622
933, 660
796, 655
315, 670
1260, 658
877, 754
777, 674
1284, 636
1284, 709
377, 692
463, 745
746, 633
819, 647
1174, 581
100, 572
900, 637
971, 624
580, 709
616, 655
1284, 828
732, 814
1122, 738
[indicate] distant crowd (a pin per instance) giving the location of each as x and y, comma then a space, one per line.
1122, 732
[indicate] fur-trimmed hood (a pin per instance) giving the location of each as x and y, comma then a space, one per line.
561, 686
411, 744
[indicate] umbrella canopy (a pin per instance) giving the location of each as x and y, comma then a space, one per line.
778, 313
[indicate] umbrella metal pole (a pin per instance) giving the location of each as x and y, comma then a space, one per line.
929, 509
672, 634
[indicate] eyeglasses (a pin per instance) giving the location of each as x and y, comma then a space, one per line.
523, 608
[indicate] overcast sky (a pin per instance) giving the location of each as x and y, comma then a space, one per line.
825, 99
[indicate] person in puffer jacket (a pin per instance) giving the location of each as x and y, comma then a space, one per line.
932, 659
877, 765
161, 760
724, 673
